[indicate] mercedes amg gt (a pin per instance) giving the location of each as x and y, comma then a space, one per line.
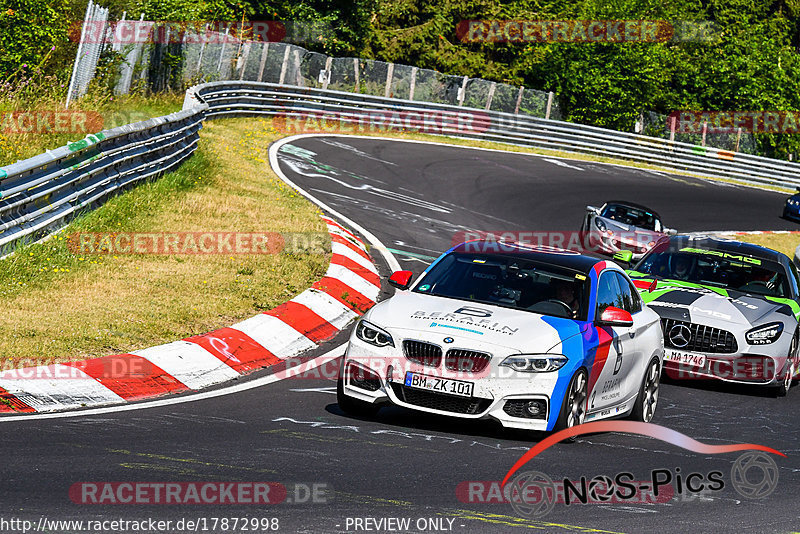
535, 338
729, 310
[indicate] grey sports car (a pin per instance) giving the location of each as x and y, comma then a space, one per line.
729, 310
620, 225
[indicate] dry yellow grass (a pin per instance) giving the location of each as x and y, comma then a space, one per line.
67, 306
785, 243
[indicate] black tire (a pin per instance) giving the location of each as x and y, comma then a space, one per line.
782, 389
573, 407
644, 408
352, 406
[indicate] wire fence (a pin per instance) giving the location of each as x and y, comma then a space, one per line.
168, 60
663, 126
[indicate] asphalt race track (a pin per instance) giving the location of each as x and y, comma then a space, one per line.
414, 198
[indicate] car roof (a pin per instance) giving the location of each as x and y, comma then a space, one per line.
727, 245
632, 205
549, 255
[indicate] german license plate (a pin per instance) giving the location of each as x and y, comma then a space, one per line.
439, 385
685, 358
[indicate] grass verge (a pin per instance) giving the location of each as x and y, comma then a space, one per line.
67, 306
20, 139
785, 243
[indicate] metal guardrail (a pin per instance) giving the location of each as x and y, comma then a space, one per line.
41, 194
232, 98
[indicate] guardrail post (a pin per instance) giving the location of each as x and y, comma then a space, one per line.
519, 100
705, 129
490, 96
355, 67
389, 73
462, 92
264, 53
549, 105
284, 65
413, 83
327, 80
738, 138
673, 125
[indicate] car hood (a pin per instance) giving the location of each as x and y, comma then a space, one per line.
684, 301
463, 320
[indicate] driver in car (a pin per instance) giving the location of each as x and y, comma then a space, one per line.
565, 292
681, 267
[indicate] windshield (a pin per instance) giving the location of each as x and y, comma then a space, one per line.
510, 282
718, 268
632, 216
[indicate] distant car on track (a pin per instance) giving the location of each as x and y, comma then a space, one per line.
729, 310
621, 225
791, 209
535, 338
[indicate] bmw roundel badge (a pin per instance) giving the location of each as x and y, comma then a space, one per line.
448, 340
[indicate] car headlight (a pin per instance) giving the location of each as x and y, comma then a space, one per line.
366, 331
535, 363
600, 225
763, 335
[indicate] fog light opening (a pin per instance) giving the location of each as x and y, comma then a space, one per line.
534, 408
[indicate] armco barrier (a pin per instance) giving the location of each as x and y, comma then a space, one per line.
40, 194
232, 98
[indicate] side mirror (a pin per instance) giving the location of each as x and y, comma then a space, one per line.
670, 231
593, 209
612, 316
623, 256
401, 279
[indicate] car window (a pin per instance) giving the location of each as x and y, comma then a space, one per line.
608, 293
631, 302
631, 216
719, 268
509, 281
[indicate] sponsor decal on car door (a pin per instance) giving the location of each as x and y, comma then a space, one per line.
620, 345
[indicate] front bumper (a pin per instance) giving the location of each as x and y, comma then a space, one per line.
603, 243
791, 213
752, 364
499, 393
